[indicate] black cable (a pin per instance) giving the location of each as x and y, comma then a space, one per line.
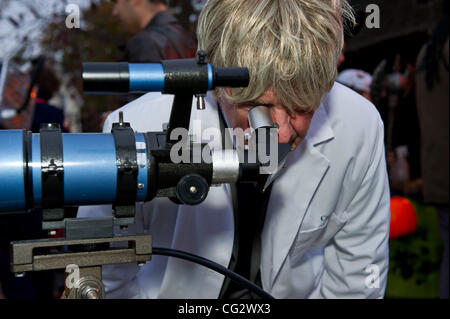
241, 281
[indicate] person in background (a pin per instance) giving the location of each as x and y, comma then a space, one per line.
432, 106
48, 85
40, 284
157, 34
402, 129
358, 80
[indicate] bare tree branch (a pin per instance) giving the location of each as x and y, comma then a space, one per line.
33, 10
13, 22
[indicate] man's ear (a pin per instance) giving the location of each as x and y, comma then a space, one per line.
219, 93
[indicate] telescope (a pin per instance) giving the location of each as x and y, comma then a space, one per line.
52, 170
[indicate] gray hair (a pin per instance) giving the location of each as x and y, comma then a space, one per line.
291, 46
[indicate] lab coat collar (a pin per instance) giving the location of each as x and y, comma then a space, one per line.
320, 129
291, 196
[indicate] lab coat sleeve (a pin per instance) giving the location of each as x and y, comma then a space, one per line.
357, 258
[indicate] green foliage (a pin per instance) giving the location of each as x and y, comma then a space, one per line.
415, 259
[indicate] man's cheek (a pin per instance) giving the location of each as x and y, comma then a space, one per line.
243, 121
301, 124
284, 134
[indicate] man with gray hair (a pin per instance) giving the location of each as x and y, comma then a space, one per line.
324, 227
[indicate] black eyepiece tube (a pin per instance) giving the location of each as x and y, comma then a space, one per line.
170, 77
106, 77
231, 77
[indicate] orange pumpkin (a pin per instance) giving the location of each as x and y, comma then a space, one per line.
403, 217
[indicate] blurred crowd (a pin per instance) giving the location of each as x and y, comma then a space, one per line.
411, 97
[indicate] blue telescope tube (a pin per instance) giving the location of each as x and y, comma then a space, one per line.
90, 170
12, 170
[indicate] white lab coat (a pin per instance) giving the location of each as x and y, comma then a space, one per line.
327, 224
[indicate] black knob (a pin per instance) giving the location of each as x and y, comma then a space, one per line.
192, 189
